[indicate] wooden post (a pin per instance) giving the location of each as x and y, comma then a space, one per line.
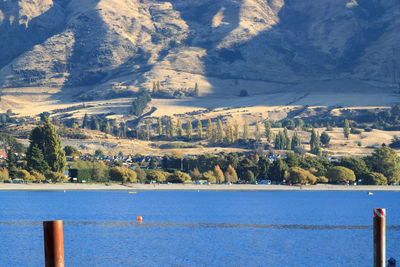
379, 237
53, 243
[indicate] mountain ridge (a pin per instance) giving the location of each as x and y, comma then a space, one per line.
91, 46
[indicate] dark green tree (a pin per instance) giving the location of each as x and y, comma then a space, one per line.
45, 137
277, 170
325, 139
263, 168
374, 178
385, 160
36, 160
355, 164
140, 103
11, 162
288, 123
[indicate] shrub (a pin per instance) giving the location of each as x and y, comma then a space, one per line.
395, 142
339, 174
123, 175
322, 179
4, 174
56, 177
179, 177
157, 175
354, 131
196, 174
71, 151
298, 175
375, 178
24, 175
209, 176
37, 177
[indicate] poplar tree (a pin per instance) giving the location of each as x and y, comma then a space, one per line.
280, 141
159, 126
154, 90
257, 132
219, 175
85, 122
236, 131
199, 130
196, 90
189, 129
286, 139
209, 130
179, 129
231, 175
158, 86
148, 130
346, 129
315, 143
245, 131
295, 140
108, 128
122, 130
170, 128
268, 131
228, 134
220, 132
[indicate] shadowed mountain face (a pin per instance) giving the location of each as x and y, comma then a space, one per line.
92, 45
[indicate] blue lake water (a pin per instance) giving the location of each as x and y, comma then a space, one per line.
206, 228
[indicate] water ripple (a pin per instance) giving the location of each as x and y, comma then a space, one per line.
133, 224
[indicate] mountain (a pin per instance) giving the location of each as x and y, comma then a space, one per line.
91, 47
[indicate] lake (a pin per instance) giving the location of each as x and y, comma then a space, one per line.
206, 228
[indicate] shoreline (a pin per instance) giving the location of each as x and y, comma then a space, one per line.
190, 187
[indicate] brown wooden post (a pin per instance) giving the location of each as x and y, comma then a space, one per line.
379, 237
53, 243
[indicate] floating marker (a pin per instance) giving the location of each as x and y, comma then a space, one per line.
139, 218
132, 192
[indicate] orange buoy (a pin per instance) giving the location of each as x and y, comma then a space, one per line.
139, 218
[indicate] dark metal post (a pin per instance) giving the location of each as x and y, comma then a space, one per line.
53, 243
379, 237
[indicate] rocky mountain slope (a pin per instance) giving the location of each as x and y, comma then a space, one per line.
87, 46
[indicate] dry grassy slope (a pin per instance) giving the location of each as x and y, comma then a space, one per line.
75, 46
